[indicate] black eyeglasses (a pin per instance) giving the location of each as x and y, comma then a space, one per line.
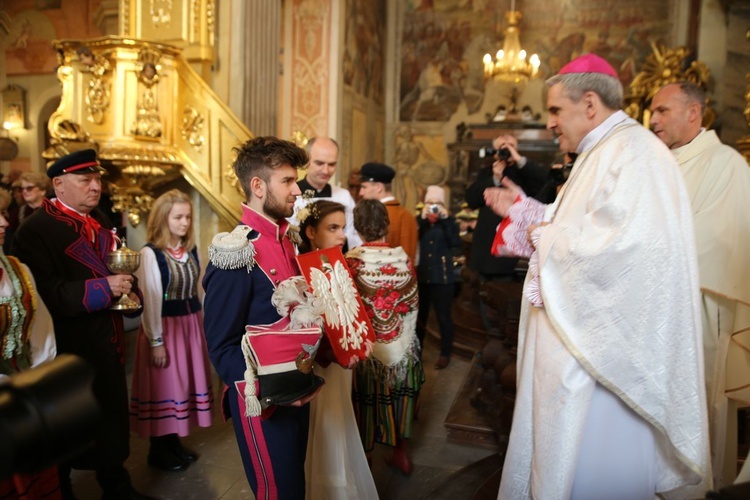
26, 188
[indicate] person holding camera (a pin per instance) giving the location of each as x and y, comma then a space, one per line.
530, 176
558, 175
438, 241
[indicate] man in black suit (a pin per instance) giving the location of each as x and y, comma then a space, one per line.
530, 176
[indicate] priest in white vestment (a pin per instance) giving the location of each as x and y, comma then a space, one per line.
610, 400
718, 183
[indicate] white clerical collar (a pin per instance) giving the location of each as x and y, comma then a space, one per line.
677, 151
387, 199
599, 132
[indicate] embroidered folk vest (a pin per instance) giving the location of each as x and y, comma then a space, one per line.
179, 283
16, 314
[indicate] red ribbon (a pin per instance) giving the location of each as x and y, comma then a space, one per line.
90, 224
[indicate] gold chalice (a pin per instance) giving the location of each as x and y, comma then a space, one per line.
124, 261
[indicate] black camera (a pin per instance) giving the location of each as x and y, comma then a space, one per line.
488, 152
558, 176
47, 414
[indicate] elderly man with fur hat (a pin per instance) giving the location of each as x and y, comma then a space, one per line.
610, 400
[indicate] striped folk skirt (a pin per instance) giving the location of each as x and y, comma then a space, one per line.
384, 411
172, 399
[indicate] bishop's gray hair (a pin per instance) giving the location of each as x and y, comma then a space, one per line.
574, 85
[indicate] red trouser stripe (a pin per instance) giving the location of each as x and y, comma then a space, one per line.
258, 451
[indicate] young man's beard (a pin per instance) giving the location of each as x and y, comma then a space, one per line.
276, 210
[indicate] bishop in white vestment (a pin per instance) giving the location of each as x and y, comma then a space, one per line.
610, 400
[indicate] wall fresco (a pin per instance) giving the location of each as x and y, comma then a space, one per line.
363, 75
29, 50
443, 42
34, 24
364, 46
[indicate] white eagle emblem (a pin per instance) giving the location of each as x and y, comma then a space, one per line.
335, 288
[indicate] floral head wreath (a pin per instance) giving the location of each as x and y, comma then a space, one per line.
309, 208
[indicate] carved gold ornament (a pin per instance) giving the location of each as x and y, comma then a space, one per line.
148, 122
192, 126
161, 12
299, 138
98, 93
210, 18
147, 83
231, 177
196, 8
128, 194
664, 66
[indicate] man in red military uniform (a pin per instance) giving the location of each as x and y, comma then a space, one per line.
245, 267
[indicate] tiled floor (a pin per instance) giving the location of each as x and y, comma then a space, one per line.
218, 474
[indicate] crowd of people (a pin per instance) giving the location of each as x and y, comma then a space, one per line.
636, 283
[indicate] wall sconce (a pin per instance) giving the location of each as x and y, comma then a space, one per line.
14, 107
8, 148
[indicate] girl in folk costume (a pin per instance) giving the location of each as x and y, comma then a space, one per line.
27, 338
336, 466
171, 378
386, 386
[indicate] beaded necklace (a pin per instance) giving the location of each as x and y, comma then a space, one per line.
176, 253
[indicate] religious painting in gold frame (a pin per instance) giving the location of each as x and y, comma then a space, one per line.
14, 107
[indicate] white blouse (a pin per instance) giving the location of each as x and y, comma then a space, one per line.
149, 281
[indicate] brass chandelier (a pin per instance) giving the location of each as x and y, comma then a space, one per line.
510, 63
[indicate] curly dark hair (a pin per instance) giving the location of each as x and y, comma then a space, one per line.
259, 156
318, 210
371, 220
